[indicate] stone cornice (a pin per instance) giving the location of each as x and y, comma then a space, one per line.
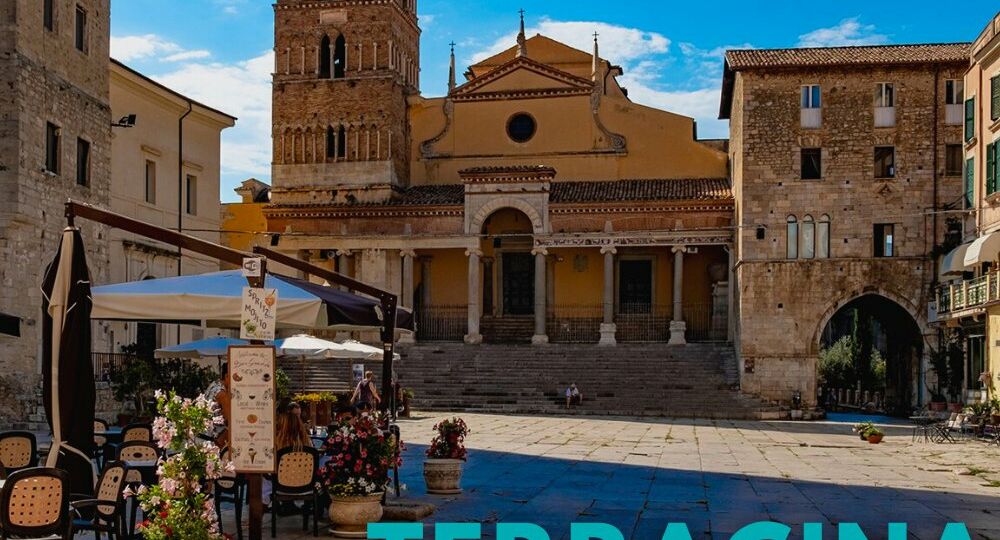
409, 17
522, 94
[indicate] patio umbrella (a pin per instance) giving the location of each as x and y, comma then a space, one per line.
304, 346
67, 371
10, 325
215, 299
202, 348
351, 349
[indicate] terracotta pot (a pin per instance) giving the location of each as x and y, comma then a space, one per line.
938, 406
954, 407
875, 439
443, 476
350, 516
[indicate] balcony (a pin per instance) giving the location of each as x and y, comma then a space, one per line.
969, 294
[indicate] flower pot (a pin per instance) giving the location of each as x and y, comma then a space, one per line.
938, 406
955, 407
350, 516
875, 439
443, 476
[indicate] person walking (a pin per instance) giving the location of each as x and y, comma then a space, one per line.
366, 396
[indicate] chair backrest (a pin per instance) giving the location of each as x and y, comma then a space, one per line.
228, 480
35, 502
137, 451
100, 425
18, 450
296, 468
111, 488
137, 432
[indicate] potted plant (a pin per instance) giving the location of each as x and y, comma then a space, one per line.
875, 435
357, 474
443, 467
862, 429
407, 394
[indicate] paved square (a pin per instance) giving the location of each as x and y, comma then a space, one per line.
716, 476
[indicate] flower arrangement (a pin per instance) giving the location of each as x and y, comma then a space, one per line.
361, 456
315, 397
449, 443
179, 506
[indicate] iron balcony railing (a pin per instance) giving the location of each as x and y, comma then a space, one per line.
970, 293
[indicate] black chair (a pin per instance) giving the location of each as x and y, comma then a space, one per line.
105, 512
296, 481
131, 453
34, 503
232, 488
18, 450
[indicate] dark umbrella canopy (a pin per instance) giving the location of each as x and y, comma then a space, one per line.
67, 371
10, 325
349, 308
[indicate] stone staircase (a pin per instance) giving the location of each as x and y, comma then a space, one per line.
508, 329
694, 381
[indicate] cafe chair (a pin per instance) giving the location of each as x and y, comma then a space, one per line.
137, 432
105, 512
231, 488
18, 450
100, 441
296, 481
132, 453
34, 503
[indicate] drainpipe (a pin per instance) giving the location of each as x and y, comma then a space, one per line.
180, 189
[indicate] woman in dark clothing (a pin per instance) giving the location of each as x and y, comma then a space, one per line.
366, 396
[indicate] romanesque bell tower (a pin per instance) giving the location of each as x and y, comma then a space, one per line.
343, 72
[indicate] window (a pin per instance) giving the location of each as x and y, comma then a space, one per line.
807, 238
81, 29
884, 234
82, 162
953, 159
995, 97
792, 238
49, 14
150, 181
954, 90
324, 57
339, 58
969, 182
191, 190
884, 95
521, 127
885, 162
970, 118
823, 237
991, 169
52, 151
810, 96
811, 164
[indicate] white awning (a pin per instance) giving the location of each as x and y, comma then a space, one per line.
954, 262
984, 249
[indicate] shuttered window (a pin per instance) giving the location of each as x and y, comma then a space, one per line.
995, 97
991, 168
970, 179
970, 119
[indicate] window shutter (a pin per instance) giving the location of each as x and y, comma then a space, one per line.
970, 171
970, 119
991, 168
995, 97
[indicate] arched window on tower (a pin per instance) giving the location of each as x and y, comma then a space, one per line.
807, 238
823, 237
331, 143
339, 58
342, 142
324, 58
792, 238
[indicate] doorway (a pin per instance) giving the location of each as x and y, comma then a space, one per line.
518, 283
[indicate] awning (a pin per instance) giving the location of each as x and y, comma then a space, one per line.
983, 250
954, 262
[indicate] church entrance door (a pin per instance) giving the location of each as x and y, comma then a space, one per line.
518, 283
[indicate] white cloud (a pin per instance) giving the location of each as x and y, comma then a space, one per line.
242, 89
627, 44
847, 32
148, 46
426, 19
229, 7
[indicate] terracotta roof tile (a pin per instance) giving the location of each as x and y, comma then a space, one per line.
688, 189
738, 59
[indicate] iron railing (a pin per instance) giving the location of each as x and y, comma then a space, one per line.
107, 363
442, 323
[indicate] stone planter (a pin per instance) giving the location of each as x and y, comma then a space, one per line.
350, 516
443, 476
938, 406
955, 407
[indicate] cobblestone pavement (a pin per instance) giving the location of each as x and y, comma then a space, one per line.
715, 476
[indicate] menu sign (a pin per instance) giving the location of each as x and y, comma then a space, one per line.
259, 314
252, 421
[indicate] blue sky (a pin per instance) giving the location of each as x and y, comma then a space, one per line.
219, 51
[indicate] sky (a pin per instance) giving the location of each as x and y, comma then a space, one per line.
219, 52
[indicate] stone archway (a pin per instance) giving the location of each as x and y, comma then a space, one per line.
475, 218
880, 346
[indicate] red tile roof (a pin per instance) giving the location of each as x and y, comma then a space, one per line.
738, 59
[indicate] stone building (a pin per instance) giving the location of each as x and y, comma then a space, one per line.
534, 202
165, 171
968, 302
846, 174
55, 144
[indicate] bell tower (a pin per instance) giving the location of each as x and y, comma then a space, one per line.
343, 72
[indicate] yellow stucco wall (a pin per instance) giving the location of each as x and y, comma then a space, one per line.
992, 347
246, 217
449, 271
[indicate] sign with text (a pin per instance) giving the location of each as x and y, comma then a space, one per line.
251, 417
259, 314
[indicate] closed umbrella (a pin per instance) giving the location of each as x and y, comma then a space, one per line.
67, 371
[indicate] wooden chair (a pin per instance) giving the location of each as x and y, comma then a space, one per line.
34, 503
105, 513
100, 441
231, 488
18, 450
296, 481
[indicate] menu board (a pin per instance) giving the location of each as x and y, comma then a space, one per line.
252, 418
259, 314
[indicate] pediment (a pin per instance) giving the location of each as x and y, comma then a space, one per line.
523, 76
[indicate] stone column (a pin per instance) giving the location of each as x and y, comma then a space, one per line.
472, 336
608, 326
343, 268
677, 325
540, 337
406, 297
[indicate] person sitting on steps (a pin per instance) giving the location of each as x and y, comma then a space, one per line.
573, 396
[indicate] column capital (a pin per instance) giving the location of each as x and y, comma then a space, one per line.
539, 251
679, 249
345, 253
473, 251
407, 252
609, 249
